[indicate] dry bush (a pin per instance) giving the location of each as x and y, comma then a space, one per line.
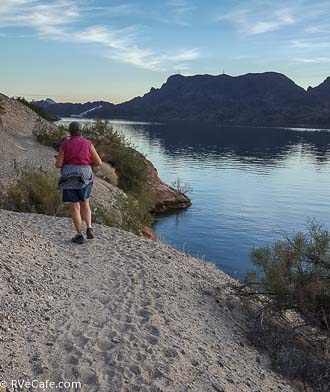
107, 173
35, 191
52, 138
296, 351
181, 186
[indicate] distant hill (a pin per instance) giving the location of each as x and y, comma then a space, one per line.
268, 98
72, 109
322, 92
47, 101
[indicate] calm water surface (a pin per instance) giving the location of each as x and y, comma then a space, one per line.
249, 185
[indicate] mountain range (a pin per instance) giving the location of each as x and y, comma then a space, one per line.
267, 99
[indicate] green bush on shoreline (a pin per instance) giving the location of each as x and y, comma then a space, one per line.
116, 150
295, 274
131, 170
35, 191
130, 166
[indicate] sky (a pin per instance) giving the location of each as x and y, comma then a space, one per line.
84, 50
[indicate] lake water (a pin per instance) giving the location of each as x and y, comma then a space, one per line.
250, 185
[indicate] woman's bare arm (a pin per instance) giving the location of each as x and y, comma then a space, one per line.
60, 159
97, 161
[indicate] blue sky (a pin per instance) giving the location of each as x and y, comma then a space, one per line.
79, 50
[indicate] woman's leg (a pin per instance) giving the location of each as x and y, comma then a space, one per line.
76, 217
86, 212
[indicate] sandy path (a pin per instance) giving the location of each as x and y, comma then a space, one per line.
118, 314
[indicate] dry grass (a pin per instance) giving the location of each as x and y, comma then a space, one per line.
107, 173
297, 351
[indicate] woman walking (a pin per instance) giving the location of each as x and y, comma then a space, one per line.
75, 159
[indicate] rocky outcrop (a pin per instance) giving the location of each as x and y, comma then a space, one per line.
167, 199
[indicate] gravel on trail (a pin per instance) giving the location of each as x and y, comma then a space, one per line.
119, 313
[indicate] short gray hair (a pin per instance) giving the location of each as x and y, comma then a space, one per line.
75, 128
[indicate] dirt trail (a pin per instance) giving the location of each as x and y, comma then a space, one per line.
119, 313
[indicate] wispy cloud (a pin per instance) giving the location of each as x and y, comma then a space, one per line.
316, 60
36, 14
181, 10
149, 60
122, 46
317, 30
58, 20
309, 44
256, 21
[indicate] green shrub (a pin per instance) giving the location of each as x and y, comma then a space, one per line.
2, 109
39, 110
130, 167
50, 138
132, 172
115, 149
35, 191
295, 274
105, 217
136, 213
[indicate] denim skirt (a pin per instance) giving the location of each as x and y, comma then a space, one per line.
77, 195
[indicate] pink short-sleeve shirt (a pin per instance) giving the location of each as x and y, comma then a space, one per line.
77, 151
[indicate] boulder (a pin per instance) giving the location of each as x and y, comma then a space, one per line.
167, 199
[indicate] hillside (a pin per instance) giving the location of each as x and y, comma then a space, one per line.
119, 314
267, 99
20, 151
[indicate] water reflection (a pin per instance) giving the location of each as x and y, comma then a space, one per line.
248, 185
257, 145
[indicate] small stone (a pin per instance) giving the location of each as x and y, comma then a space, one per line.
217, 387
115, 340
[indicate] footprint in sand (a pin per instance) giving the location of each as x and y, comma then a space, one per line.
104, 344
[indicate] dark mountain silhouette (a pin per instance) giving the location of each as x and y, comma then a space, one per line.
71, 109
268, 98
322, 92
